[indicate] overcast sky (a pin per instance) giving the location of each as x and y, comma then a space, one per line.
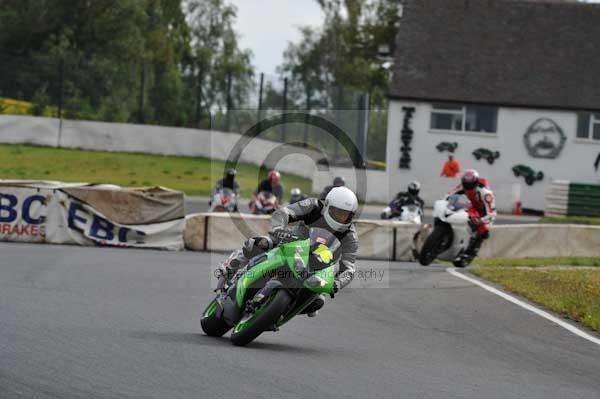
266, 27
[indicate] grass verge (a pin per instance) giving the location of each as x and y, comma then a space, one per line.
589, 220
571, 291
192, 175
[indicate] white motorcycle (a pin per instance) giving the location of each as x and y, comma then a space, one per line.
224, 200
408, 213
451, 233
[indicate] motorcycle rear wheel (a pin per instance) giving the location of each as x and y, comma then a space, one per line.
435, 244
265, 317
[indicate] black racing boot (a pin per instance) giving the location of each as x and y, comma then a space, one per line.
313, 309
474, 246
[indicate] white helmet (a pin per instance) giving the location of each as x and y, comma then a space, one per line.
340, 206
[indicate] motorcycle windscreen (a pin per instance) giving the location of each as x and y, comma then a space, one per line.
226, 195
325, 249
457, 202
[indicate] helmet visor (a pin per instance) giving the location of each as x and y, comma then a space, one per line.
340, 215
469, 185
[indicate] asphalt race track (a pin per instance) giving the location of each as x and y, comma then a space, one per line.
107, 323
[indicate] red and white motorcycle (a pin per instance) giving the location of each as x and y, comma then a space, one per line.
264, 203
224, 200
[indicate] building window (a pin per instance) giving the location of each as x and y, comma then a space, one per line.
464, 118
588, 126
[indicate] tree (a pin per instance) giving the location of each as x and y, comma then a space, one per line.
216, 57
344, 52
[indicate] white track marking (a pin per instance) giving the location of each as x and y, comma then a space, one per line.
527, 306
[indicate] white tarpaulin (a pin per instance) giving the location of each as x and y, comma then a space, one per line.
97, 215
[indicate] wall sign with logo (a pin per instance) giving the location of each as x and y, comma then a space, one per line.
544, 139
406, 137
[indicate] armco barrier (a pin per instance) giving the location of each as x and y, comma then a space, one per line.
384, 240
84, 214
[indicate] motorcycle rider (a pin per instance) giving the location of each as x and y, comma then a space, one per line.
483, 208
229, 181
272, 184
296, 195
408, 197
337, 182
334, 214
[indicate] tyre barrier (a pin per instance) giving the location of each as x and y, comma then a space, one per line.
221, 232
397, 241
107, 215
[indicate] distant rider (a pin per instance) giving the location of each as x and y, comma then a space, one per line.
408, 197
335, 214
483, 210
229, 181
337, 182
296, 195
272, 184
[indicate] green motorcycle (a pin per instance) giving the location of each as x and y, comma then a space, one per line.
274, 287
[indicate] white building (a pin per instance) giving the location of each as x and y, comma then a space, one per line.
517, 80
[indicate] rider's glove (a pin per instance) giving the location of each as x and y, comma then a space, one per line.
283, 234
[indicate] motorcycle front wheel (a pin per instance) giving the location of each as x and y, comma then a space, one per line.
212, 325
435, 244
262, 319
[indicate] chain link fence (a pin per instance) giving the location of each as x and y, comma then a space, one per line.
78, 88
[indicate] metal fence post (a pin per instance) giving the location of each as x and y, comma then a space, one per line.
228, 115
260, 97
61, 89
361, 131
199, 96
142, 89
285, 107
305, 139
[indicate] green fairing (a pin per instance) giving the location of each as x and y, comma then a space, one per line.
211, 309
327, 275
289, 251
274, 261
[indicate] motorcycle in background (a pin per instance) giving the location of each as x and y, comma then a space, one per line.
296, 195
407, 213
452, 232
264, 203
224, 200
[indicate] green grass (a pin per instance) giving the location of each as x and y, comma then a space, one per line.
589, 220
193, 176
570, 291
